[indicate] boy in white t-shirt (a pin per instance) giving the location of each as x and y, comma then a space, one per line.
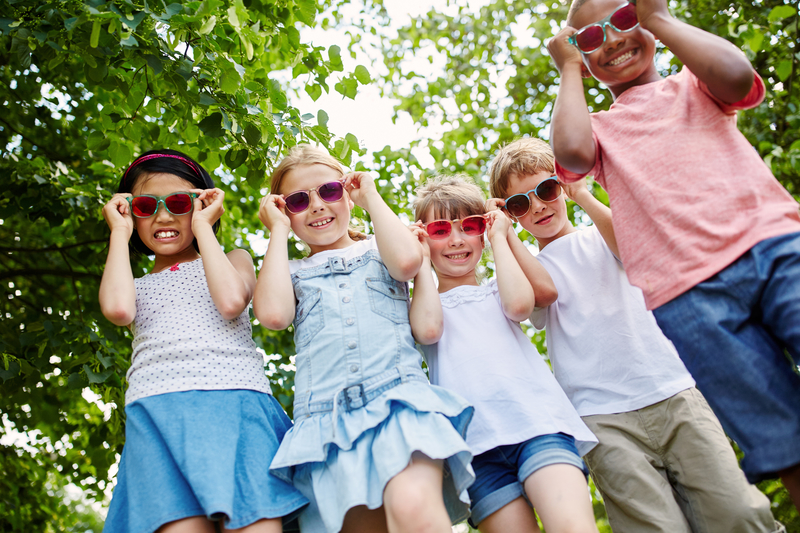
663, 463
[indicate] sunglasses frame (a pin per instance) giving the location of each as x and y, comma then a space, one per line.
527, 196
452, 222
573, 39
309, 191
161, 200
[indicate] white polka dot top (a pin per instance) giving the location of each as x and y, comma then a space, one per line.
181, 342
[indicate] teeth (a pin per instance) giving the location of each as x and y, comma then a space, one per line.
166, 234
320, 223
624, 57
457, 256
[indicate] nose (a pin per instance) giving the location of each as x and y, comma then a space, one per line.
613, 37
315, 203
456, 237
536, 204
161, 211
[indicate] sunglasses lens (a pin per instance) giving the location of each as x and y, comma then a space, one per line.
179, 204
144, 206
438, 229
624, 18
518, 205
297, 201
474, 225
331, 192
590, 39
548, 190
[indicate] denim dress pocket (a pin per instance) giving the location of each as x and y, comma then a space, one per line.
309, 318
389, 299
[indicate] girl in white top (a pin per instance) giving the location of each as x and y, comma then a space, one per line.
526, 436
201, 427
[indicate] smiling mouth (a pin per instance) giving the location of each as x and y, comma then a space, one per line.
621, 59
320, 223
165, 234
458, 257
544, 220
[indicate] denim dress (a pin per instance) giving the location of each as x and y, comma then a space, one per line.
362, 403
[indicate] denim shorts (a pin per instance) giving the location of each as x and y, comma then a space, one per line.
738, 333
500, 472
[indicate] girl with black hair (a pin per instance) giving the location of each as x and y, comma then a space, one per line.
201, 426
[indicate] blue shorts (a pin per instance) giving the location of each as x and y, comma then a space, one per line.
500, 472
738, 333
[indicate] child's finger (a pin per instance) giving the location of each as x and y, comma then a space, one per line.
493, 204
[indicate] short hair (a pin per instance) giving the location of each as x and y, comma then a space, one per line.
450, 196
522, 157
573, 8
171, 162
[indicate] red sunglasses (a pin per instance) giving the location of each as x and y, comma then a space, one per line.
146, 205
591, 37
471, 225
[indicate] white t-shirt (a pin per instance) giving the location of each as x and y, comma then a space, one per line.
181, 341
320, 258
488, 359
607, 350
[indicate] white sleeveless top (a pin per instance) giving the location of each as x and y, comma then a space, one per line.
181, 342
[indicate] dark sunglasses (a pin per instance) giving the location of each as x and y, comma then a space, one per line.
330, 192
177, 203
471, 225
591, 37
548, 190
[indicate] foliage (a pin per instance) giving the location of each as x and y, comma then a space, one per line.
86, 86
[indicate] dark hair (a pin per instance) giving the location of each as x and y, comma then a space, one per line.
164, 162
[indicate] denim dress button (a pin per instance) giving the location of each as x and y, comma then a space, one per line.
353, 368
346, 299
343, 285
350, 321
352, 345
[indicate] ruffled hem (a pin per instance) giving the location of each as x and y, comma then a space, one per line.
308, 441
358, 473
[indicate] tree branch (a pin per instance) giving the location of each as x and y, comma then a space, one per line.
46, 272
53, 248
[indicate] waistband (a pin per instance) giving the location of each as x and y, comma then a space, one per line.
337, 265
360, 394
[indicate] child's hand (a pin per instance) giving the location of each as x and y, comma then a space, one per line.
207, 207
360, 186
577, 191
419, 232
499, 225
117, 213
564, 53
494, 204
647, 11
272, 212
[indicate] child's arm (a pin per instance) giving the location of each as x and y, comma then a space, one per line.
231, 278
570, 126
544, 289
117, 290
425, 314
274, 302
399, 248
716, 62
516, 293
599, 213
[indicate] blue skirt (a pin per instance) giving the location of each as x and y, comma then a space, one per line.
201, 453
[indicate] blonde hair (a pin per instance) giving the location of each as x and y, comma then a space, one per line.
522, 157
450, 196
303, 155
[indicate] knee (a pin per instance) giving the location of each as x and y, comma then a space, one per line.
414, 508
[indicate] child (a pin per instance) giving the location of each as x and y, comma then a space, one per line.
201, 425
374, 445
526, 437
703, 227
663, 463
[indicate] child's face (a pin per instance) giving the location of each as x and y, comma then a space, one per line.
164, 233
454, 257
546, 221
626, 58
323, 226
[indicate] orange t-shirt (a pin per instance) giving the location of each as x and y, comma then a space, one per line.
688, 192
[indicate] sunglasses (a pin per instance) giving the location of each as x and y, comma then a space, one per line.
471, 225
177, 203
330, 192
591, 37
548, 190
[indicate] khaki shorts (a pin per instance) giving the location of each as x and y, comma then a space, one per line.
669, 468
